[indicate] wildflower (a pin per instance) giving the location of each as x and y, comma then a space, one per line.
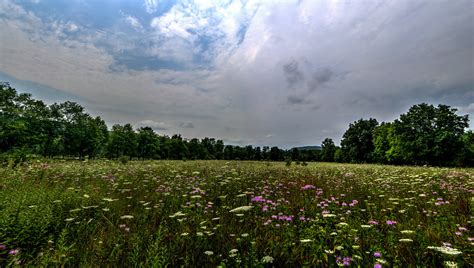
406, 240
377, 265
209, 253
390, 222
377, 254
177, 214
308, 187
2, 247
450, 264
267, 259
365, 226
446, 250
126, 217
13, 252
241, 209
407, 232
305, 240
372, 222
184, 234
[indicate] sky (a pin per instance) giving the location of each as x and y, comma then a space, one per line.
277, 73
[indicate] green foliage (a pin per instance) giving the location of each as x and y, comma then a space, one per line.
357, 142
426, 135
328, 150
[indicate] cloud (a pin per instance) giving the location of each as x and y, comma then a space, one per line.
151, 6
155, 125
257, 66
292, 73
293, 99
133, 21
319, 78
186, 125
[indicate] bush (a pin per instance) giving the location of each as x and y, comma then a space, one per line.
124, 159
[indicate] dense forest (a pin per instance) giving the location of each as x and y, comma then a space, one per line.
425, 135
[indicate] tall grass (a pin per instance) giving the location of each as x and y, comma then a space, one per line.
211, 213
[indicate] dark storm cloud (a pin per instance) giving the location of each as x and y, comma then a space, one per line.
294, 99
319, 78
186, 125
292, 73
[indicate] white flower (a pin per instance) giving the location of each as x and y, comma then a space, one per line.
208, 253
267, 259
450, 264
241, 209
126, 217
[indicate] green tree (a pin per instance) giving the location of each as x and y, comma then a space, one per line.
383, 139
328, 149
467, 156
276, 154
122, 141
429, 135
357, 142
148, 143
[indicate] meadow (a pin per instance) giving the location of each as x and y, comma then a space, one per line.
234, 214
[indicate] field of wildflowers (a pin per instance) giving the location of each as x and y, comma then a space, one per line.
232, 214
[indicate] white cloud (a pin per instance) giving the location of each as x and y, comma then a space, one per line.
151, 6
133, 21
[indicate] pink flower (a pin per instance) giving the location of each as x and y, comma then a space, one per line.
390, 222
308, 187
13, 252
372, 222
377, 254
377, 265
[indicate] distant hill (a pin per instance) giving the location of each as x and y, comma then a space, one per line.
309, 148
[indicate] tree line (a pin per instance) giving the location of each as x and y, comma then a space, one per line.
424, 135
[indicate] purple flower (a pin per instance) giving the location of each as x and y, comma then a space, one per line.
372, 222
390, 222
377, 254
3, 247
308, 187
377, 265
13, 252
